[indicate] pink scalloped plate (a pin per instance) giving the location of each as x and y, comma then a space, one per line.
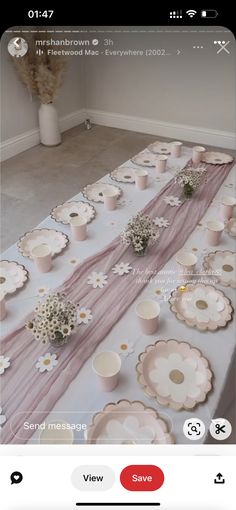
222, 266
64, 212
57, 241
147, 159
126, 422
175, 374
13, 276
201, 306
160, 148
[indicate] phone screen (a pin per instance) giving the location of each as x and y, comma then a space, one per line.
118, 269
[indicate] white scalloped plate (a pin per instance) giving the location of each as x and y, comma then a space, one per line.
175, 374
13, 276
160, 148
127, 422
95, 191
201, 306
216, 158
56, 241
222, 265
145, 159
64, 212
123, 174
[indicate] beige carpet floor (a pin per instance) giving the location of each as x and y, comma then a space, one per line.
35, 181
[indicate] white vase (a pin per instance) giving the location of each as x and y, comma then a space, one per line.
49, 125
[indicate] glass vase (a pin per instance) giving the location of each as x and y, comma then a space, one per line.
142, 252
59, 340
188, 191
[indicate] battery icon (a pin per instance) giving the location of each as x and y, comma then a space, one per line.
209, 13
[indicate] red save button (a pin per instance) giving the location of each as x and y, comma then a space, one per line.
142, 478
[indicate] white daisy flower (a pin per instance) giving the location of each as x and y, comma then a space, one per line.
225, 264
172, 201
97, 280
84, 315
73, 261
126, 348
2, 418
122, 268
43, 290
128, 431
46, 362
4, 363
161, 222
203, 305
65, 329
177, 378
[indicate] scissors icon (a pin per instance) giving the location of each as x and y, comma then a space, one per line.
219, 428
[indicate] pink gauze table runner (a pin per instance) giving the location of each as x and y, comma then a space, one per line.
26, 394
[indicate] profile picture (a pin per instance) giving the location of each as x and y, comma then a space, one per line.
17, 47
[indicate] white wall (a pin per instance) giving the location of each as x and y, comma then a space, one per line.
19, 112
195, 88
189, 96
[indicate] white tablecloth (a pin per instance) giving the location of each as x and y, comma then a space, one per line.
81, 401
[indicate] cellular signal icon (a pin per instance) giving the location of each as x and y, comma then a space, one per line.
176, 14
191, 13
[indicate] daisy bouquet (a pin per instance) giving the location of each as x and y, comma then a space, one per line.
54, 320
190, 179
140, 232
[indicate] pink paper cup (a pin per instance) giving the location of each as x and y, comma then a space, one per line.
161, 162
197, 154
186, 261
3, 310
214, 231
42, 257
176, 148
227, 207
148, 313
141, 179
78, 227
107, 365
110, 199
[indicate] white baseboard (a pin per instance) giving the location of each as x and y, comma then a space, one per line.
194, 134
223, 139
20, 143
72, 120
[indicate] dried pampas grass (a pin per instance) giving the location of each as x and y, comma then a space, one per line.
42, 74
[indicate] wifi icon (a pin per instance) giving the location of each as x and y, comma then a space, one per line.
191, 13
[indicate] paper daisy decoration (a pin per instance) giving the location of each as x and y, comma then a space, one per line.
2, 418
178, 378
73, 261
46, 362
161, 222
4, 363
128, 431
126, 348
97, 280
172, 201
43, 290
84, 315
122, 268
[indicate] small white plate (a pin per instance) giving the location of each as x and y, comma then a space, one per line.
95, 191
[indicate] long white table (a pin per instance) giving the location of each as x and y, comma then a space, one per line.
218, 347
